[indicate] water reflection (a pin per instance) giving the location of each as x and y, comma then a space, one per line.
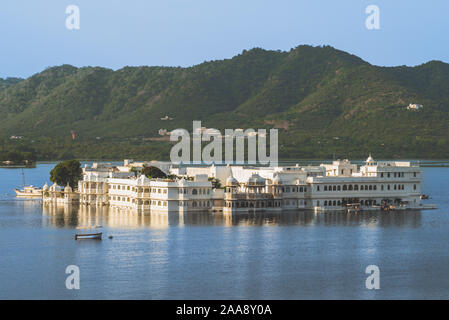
73, 216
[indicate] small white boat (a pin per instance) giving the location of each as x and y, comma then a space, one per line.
29, 192
89, 232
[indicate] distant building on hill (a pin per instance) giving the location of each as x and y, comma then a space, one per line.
166, 118
414, 106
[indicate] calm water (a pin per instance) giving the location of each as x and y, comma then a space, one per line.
293, 255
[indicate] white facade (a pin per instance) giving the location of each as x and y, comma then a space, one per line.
243, 189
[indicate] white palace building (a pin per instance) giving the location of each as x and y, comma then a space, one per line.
372, 186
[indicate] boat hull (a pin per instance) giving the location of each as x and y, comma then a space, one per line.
93, 236
23, 194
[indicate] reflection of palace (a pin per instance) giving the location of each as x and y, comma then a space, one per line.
247, 189
70, 216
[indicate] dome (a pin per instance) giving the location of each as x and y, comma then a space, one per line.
370, 159
45, 187
231, 181
55, 187
256, 179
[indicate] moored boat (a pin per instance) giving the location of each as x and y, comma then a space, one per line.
89, 232
29, 192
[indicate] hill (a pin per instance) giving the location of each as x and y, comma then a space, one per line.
327, 102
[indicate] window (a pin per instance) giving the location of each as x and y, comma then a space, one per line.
317, 188
194, 191
414, 187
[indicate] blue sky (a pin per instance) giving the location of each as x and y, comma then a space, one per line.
116, 33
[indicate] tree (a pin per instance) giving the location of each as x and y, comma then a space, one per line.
216, 183
135, 170
68, 171
153, 172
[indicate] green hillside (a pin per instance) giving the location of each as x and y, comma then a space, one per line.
326, 103
6, 83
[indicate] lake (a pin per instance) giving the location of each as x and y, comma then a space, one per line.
292, 255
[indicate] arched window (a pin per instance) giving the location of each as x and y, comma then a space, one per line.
345, 187
194, 191
339, 188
